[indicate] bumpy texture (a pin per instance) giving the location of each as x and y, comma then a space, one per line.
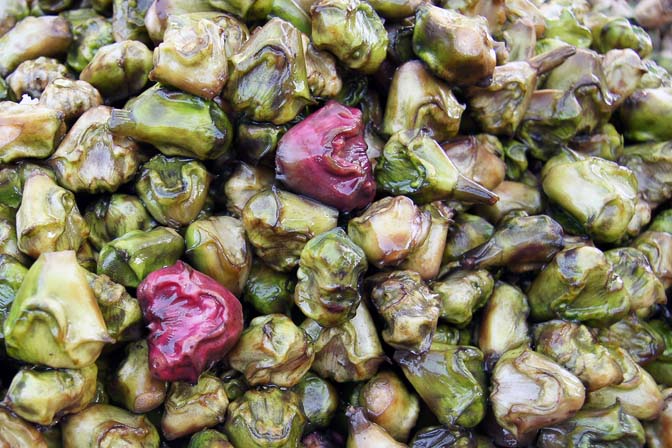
192, 319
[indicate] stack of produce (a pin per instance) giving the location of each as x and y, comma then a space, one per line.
335, 223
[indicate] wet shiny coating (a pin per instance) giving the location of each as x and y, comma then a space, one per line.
324, 157
192, 319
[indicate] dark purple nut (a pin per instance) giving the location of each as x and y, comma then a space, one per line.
193, 321
324, 157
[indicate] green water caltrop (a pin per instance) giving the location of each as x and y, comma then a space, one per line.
575, 348
426, 259
655, 246
269, 79
642, 114
387, 402
638, 393
273, 350
269, 291
13, 11
649, 162
33, 76
91, 159
189, 408
12, 274
217, 247
321, 70
265, 417
90, 32
245, 181
659, 368
620, 33
467, 232
408, 307
522, 401
132, 384
360, 352
390, 230
19, 432
450, 380
128, 20
246, 9
500, 106
31, 38
120, 311
478, 157
192, 56
258, 141
362, 431
514, 198
461, 294
579, 284
70, 97
417, 100
119, 70
319, 400
601, 197
102, 425
43, 397
602, 427
456, 48
414, 164
272, 227
352, 31
29, 130
209, 438
522, 243
113, 216
504, 324
177, 123
330, 270
130, 258
634, 335
48, 324
504, 284
48, 219
174, 190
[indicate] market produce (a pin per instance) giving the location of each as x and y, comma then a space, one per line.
90, 32
335, 223
133, 385
504, 323
71, 97
330, 270
217, 247
54, 319
193, 321
131, 257
265, 417
268, 80
119, 70
111, 217
419, 100
32, 131
33, 37
103, 424
319, 400
387, 402
408, 307
190, 408
352, 31
329, 146
33, 76
273, 350
91, 159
